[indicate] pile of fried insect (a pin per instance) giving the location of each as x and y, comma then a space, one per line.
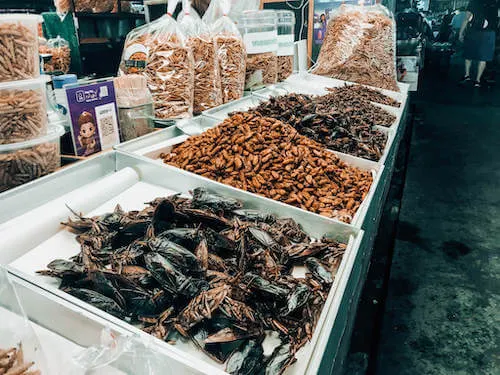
207, 270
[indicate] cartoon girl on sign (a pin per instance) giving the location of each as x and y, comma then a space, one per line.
86, 138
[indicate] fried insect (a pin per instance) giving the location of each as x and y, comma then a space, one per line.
207, 270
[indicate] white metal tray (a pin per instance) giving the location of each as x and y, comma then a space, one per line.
222, 112
95, 186
310, 84
151, 148
333, 82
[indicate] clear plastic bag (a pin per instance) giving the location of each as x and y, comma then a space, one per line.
360, 46
236, 8
118, 355
286, 38
231, 54
61, 54
19, 346
158, 51
191, 12
207, 84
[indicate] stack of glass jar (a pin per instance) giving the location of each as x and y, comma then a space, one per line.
29, 147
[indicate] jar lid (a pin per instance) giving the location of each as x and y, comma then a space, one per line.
65, 79
20, 17
25, 83
54, 132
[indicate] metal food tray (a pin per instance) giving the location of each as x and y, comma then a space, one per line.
152, 147
74, 329
218, 114
222, 112
304, 84
182, 128
95, 186
333, 82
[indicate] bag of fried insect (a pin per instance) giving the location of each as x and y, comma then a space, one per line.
359, 46
159, 52
207, 84
231, 54
20, 349
286, 39
118, 355
61, 54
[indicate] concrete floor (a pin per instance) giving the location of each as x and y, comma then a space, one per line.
442, 313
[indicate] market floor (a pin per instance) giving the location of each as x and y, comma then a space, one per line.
442, 313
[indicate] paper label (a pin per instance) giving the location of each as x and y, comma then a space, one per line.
93, 113
135, 58
285, 45
266, 41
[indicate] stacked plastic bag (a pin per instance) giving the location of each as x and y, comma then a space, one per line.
190, 64
207, 83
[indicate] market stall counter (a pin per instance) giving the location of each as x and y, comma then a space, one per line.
95, 186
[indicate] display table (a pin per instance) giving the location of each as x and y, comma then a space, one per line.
133, 174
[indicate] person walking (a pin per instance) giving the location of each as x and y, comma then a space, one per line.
478, 36
456, 23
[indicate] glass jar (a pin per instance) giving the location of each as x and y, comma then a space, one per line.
259, 29
286, 39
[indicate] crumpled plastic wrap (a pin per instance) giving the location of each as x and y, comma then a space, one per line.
19, 345
118, 355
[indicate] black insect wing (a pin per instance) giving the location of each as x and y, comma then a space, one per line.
203, 199
280, 360
97, 300
298, 298
248, 360
318, 271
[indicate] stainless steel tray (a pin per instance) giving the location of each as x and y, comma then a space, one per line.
317, 85
323, 80
151, 148
101, 182
222, 112
181, 130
